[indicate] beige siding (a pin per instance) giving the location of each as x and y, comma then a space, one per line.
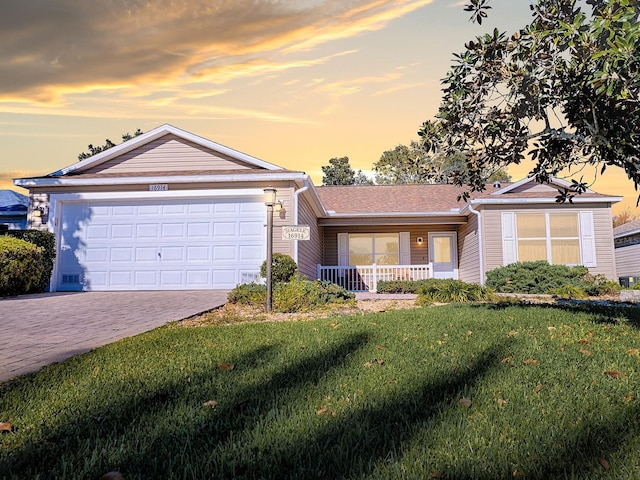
281, 217
628, 261
169, 154
534, 187
603, 231
468, 253
309, 251
419, 253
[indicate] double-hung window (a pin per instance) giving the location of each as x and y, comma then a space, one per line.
558, 238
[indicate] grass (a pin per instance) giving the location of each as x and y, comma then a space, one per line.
453, 392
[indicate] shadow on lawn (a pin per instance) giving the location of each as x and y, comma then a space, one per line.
350, 445
602, 313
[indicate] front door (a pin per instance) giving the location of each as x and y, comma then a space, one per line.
443, 254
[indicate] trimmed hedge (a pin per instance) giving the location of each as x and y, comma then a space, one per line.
540, 277
21, 266
46, 241
283, 268
401, 286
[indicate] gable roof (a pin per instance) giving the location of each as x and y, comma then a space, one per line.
158, 132
98, 169
626, 229
11, 201
437, 199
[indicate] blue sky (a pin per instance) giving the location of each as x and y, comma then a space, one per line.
292, 82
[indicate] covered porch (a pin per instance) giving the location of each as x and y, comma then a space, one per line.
365, 278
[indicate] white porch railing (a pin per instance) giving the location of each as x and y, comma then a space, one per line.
365, 278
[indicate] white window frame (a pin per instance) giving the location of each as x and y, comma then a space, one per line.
404, 247
586, 238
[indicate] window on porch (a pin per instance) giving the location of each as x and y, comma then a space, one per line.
370, 248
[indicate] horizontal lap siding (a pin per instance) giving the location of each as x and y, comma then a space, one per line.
628, 261
309, 251
468, 253
603, 231
168, 154
281, 218
419, 253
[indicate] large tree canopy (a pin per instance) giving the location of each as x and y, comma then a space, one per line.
565, 88
419, 163
339, 172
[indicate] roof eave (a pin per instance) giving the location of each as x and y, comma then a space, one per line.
523, 201
172, 179
628, 233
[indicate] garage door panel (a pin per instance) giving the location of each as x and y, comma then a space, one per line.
198, 254
146, 278
201, 229
147, 230
146, 254
148, 210
160, 244
251, 229
172, 254
120, 254
122, 231
174, 209
250, 252
120, 210
98, 232
173, 230
198, 278
120, 278
172, 278
225, 229
97, 254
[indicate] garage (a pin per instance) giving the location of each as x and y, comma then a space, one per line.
161, 244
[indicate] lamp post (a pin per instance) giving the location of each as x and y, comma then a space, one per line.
269, 201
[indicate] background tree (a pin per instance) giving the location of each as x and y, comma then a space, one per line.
564, 88
424, 163
624, 217
107, 145
339, 172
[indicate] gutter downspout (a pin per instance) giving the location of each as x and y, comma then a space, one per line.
480, 249
296, 208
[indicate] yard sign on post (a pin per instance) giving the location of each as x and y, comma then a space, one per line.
296, 232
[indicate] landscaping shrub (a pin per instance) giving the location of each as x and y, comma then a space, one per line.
46, 241
300, 295
283, 268
569, 291
452, 291
294, 296
400, 286
540, 277
248, 294
21, 266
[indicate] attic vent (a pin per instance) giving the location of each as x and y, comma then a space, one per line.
71, 279
497, 184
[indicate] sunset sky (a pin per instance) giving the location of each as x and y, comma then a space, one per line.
291, 82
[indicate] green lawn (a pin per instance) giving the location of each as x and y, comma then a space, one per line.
547, 393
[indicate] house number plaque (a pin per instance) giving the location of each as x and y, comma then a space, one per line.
296, 232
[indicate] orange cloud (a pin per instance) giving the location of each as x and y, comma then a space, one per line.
53, 49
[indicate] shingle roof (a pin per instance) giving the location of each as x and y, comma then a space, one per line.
370, 199
631, 226
11, 201
390, 198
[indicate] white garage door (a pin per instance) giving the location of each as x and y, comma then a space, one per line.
160, 245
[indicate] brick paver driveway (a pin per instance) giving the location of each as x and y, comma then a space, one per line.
36, 330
